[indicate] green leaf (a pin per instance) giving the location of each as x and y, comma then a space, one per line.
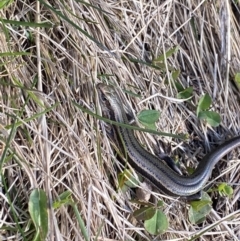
168, 54
7, 54
38, 210
32, 93
212, 118
148, 118
27, 24
198, 205
181, 136
179, 86
159, 203
225, 189
158, 224
149, 126
200, 209
186, 93
139, 61
237, 80
4, 3
4, 156
194, 28
190, 170
80, 222
175, 74
63, 199
131, 93
144, 213
127, 178
35, 116
204, 103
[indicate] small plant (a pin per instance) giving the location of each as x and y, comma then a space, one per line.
224, 190
183, 93
126, 180
203, 112
148, 118
155, 221
38, 209
200, 209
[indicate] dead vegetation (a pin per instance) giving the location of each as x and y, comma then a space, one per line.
62, 148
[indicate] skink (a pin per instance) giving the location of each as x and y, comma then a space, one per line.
149, 166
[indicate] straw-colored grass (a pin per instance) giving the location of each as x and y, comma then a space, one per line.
62, 148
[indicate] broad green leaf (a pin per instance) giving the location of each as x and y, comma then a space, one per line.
149, 126
237, 80
200, 209
225, 189
158, 224
186, 93
178, 86
148, 116
198, 205
204, 103
212, 118
38, 209
159, 203
124, 188
144, 213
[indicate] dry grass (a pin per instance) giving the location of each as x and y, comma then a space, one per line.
65, 149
